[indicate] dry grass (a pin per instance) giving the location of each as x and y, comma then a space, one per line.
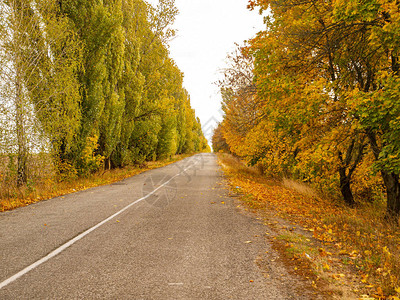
231, 162
43, 185
299, 187
359, 242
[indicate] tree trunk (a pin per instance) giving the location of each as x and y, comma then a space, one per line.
348, 164
107, 164
345, 187
392, 185
22, 154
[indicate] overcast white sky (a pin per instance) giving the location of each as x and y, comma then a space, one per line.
207, 31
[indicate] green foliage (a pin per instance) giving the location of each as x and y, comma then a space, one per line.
90, 162
97, 81
379, 111
144, 140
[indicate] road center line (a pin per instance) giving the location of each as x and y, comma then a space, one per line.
83, 234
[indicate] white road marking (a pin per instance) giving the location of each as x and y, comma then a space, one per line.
82, 235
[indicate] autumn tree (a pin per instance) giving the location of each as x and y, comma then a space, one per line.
325, 71
114, 90
375, 99
15, 23
40, 57
219, 143
309, 64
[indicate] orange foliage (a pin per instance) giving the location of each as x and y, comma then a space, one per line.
359, 238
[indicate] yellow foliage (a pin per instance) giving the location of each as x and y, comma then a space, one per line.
360, 236
90, 160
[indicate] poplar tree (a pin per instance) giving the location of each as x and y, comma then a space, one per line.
114, 89
95, 81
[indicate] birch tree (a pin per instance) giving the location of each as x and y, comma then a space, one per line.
39, 56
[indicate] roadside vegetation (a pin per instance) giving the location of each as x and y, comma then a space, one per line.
312, 104
348, 253
315, 97
44, 187
87, 86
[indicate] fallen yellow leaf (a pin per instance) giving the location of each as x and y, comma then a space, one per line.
338, 276
326, 266
364, 278
368, 252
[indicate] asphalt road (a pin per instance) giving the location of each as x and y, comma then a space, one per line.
185, 240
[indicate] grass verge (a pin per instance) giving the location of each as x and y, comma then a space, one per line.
353, 251
49, 188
